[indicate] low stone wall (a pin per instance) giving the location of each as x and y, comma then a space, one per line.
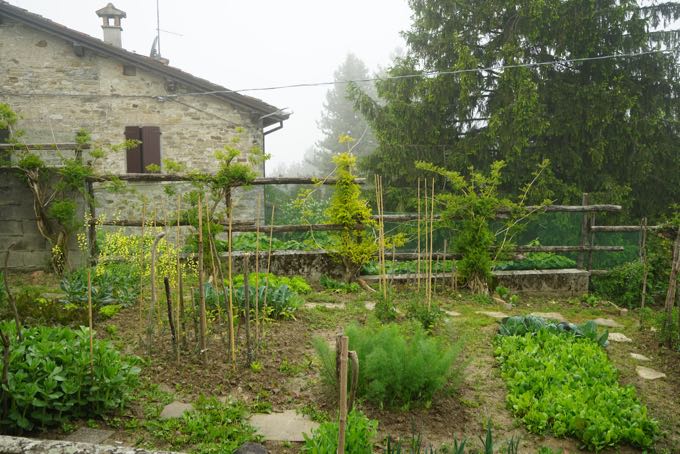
311, 264
17, 445
571, 282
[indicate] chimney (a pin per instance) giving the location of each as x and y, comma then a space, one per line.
111, 25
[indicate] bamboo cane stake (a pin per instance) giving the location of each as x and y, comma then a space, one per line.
427, 242
89, 314
180, 297
382, 241
152, 302
672, 285
269, 266
168, 299
429, 276
443, 283
230, 309
257, 272
201, 290
418, 272
377, 208
142, 264
213, 257
343, 342
246, 296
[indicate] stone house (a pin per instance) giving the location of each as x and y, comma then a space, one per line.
60, 80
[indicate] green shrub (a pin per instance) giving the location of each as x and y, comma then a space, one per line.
395, 368
358, 437
427, 316
50, 379
622, 285
213, 427
568, 386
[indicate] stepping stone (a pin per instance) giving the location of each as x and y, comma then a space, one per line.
326, 305
550, 315
251, 448
175, 410
649, 374
608, 322
286, 426
618, 337
639, 357
370, 305
87, 435
497, 315
452, 313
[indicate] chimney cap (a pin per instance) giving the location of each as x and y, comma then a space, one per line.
110, 11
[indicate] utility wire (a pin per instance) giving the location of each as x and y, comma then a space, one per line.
368, 79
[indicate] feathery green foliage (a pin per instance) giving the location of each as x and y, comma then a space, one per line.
396, 368
359, 435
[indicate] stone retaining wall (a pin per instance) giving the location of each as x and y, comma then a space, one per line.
17, 445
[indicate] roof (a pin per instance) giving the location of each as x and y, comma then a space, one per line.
271, 114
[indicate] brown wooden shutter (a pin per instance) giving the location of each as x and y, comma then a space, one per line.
134, 155
151, 146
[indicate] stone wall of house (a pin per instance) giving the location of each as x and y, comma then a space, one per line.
56, 93
18, 228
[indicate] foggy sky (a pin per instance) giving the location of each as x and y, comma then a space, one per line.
245, 44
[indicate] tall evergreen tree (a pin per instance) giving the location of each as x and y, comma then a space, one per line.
608, 125
340, 117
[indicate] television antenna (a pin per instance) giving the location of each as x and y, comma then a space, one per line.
156, 46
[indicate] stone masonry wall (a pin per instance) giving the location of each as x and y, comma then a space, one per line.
56, 93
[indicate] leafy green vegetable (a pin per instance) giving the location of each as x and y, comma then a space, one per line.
520, 325
50, 379
566, 385
358, 437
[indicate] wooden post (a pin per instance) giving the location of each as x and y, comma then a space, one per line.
246, 297
672, 285
591, 239
180, 296
343, 343
230, 298
580, 263
257, 273
429, 259
643, 259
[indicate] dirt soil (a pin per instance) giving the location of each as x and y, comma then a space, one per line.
286, 374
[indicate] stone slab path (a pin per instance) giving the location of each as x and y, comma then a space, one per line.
649, 374
619, 337
286, 426
175, 409
608, 322
550, 316
639, 357
87, 435
497, 315
326, 305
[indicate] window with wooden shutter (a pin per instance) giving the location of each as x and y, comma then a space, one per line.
148, 152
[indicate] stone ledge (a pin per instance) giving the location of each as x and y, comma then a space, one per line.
18, 445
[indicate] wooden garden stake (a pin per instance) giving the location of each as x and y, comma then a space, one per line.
213, 257
152, 304
343, 342
230, 308
246, 297
427, 242
10, 297
429, 275
142, 264
418, 273
584, 233
672, 285
643, 259
179, 313
354, 360
257, 272
166, 282
201, 290
89, 314
269, 264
